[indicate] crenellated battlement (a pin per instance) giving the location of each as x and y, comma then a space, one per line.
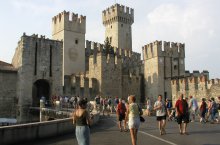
196, 73
118, 13
93, 48
129, 61
193, 81
67, 16
37, 37
69, 21
159, 48
214, 81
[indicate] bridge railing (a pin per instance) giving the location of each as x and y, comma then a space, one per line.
32, 131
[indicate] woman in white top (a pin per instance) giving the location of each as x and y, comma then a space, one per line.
133, 118
148, 105
159, 106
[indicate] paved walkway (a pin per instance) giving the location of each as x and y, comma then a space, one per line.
107, 133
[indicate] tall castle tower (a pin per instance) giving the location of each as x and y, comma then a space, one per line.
117, 21
162, 63
71, 29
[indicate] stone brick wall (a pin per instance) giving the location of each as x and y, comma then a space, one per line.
37, 58
131, 86
8, 81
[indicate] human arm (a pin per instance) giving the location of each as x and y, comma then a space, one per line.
74, 117
177, 108
157, 106
89, 118
127, 113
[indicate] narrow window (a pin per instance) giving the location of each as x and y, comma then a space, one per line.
175, 67
110, 40
35, 60
76, 41
51, 60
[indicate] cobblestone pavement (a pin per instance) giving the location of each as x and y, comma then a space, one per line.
107, 133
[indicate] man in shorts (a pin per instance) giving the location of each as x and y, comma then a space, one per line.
182, 114
121, 110
159, 107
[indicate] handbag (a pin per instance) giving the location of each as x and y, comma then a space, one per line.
141, 113
142, 119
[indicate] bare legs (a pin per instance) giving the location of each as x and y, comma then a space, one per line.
133, 133
182, 128
120, 126
161, 125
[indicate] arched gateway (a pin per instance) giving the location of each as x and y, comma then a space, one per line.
41, 88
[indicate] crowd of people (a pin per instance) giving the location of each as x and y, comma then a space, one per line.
66, 101
129, 112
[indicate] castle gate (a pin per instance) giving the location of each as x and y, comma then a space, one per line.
41, 88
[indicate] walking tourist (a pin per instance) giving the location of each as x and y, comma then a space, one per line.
120, 112
193, 106
148, 106
202, 108
133, 118
97, 103
209, 108
159, 106
82, 120
182, 113
110, 104
213, 111
169, 107
104, 107
218, 104
116, 101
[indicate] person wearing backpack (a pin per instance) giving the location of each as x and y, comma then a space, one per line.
121, 111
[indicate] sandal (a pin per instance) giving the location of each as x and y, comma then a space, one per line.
186, 133
125, 130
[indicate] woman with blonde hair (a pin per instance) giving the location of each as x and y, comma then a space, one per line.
133, 118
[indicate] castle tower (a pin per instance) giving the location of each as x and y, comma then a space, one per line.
117, 21
162, 63
71, 29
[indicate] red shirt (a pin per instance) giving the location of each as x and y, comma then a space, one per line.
121, 109
203, 106
182, 106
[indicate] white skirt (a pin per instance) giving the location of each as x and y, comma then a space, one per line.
134, 122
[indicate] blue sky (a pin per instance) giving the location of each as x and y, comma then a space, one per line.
193, 22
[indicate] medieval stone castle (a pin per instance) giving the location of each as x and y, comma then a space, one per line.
69, 65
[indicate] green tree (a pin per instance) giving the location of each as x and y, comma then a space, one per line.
108, 47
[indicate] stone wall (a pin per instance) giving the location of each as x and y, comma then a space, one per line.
37, 59
34, 131
195, 84
131, 86
8, 98
214, 90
